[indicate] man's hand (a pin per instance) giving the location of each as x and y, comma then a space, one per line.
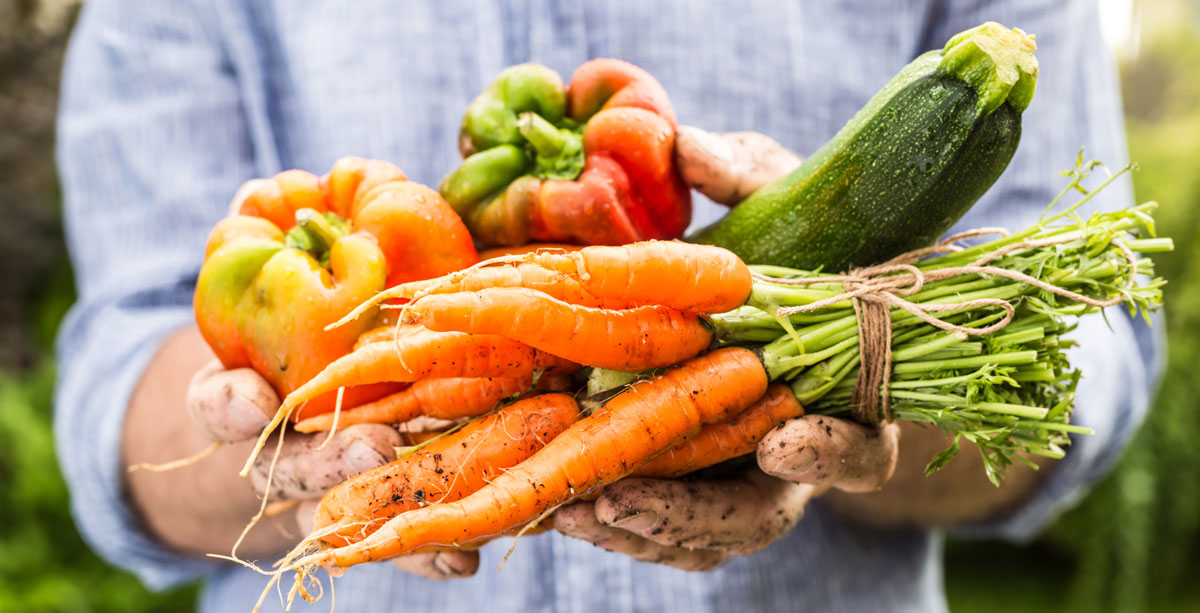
234, 405
728, 167
697, 524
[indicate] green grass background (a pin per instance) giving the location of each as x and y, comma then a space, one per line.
1128, 547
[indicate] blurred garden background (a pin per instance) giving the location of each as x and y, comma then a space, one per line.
1130, 546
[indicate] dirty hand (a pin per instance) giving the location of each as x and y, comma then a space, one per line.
729, 167
234, 405
697, 524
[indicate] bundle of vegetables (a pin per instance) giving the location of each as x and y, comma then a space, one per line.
1009, 391
990, 367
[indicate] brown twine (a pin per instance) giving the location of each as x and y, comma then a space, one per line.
874, 290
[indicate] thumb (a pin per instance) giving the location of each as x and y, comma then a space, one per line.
230, 405
729, 167
827, 451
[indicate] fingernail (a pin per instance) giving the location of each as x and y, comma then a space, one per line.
450, 565
794, 464
443, 566
245, 413
711, 143
639, 522
360, 456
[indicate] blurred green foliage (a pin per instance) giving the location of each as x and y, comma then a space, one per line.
44, 563
1131, 544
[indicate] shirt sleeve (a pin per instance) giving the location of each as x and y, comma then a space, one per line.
152, 143
1077, 104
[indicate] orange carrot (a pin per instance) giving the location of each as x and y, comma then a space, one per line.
532, 276
726, 440
496, 252
631, 339
452, 398
696, 278
388, 333
628, 430
443, 471
417, 356
693, 278
438, 398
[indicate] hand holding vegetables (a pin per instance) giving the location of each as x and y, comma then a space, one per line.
232, 406
696, 524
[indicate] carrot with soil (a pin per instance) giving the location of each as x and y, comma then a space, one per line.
648, 418
521, 274
725, 440
630, 339
444, 470
682, 276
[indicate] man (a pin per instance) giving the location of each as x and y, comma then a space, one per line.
168, 107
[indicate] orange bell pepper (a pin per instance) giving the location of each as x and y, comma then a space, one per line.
300, 252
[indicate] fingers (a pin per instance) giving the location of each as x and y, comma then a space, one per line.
439, 565
738, 516
729, 167
302, 472
230, 405
826, 451
579, 521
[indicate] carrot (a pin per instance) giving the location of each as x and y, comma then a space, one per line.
633, 427
445, 470
417, 356
631, 339
694, 278
439, 398
388, 334
496, 252
726, 440
532, 276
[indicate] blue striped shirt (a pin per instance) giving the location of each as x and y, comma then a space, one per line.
168, 106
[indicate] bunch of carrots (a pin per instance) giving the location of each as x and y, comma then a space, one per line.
514, 327
517, 330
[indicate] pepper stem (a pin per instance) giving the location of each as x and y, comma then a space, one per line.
558, 151
546, 139
318, 229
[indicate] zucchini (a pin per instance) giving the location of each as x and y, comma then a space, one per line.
903, 170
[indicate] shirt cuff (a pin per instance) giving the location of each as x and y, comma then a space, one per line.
1112, 399
102, 354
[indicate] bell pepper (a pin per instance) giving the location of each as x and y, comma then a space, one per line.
591, 163
300, 252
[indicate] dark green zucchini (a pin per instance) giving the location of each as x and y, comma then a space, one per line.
903, 170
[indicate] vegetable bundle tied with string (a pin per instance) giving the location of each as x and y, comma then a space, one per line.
971, 340
968, 339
